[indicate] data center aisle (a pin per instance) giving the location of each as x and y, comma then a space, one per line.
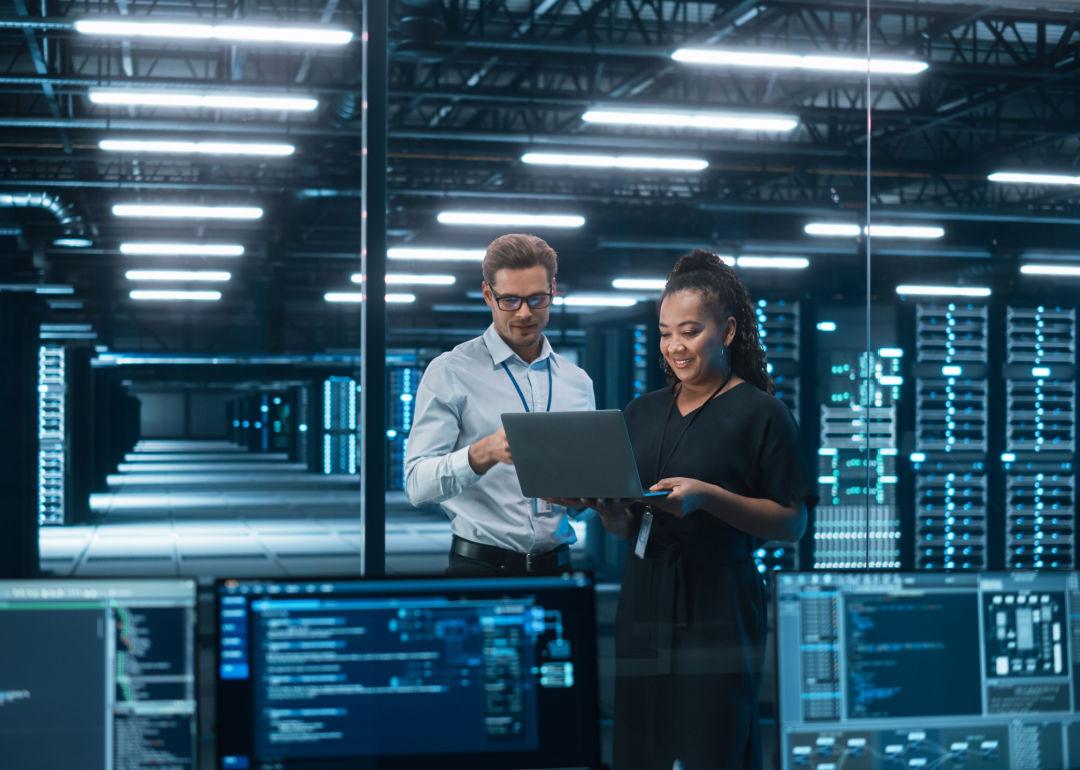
198, 508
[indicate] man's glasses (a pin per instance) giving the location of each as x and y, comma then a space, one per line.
513, 302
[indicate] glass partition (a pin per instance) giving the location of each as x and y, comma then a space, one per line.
198, 367
973, 270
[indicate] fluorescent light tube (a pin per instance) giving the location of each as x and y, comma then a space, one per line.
1025, 177
217, 100
812, 62
278, 33
942, 291
733, 121
175, 295
777, 263
354, 297
1060, 270
411, 279
344, 296
171, 211
594, 300
166, 249
209, 276
833, 229
642, 284
927, 232
174, 147
73, 243
621, 162
826, 326
848, 230
500, 219
435, 254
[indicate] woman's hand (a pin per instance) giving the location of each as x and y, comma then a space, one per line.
687, 495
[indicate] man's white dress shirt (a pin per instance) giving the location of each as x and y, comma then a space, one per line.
460, 399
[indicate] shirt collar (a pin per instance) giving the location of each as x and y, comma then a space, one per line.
501, 352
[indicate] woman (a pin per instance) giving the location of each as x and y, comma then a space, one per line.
690, 627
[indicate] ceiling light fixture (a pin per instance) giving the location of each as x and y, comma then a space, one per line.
250, 33
500, 219
594, 300
833, 229
942, 291
411, 279
208, 276
1058, 270
73, 243
1033, 177
217, 100
174, 147
171, 211
849, 230
729, 121
173, 295
356, 297
165, 249
620, 162
921, 232
786, 61
435, 254
776, 263
642, 284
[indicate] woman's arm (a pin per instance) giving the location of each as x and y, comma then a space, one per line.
758, 517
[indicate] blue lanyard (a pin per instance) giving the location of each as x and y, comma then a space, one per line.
517, 387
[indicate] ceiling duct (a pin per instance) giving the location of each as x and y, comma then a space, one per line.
420, 30
70, 222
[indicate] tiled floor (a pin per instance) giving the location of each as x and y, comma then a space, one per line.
212, 509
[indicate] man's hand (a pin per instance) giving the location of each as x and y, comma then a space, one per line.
574, 503
489, 451
614, 514
687, 495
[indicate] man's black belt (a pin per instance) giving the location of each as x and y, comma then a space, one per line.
512, 561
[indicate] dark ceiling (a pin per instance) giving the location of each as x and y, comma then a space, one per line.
473, 85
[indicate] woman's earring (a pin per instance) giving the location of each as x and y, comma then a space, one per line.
725, 360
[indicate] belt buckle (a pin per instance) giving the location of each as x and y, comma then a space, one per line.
532, 562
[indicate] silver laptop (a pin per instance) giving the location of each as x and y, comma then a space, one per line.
574, 454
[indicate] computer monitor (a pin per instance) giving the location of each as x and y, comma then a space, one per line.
891, 671
97, 674
407, 673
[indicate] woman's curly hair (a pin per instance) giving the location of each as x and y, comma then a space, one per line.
724, 294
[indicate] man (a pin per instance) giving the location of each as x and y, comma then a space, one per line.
457, 452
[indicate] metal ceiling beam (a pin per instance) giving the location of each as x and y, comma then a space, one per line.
42, 23
70, 83
41, 66
621, 141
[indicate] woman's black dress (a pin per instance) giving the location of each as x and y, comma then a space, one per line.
690, 628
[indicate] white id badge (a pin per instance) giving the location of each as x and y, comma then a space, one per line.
643, 535
542, 507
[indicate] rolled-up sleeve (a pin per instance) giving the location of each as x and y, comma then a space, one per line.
434, 469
